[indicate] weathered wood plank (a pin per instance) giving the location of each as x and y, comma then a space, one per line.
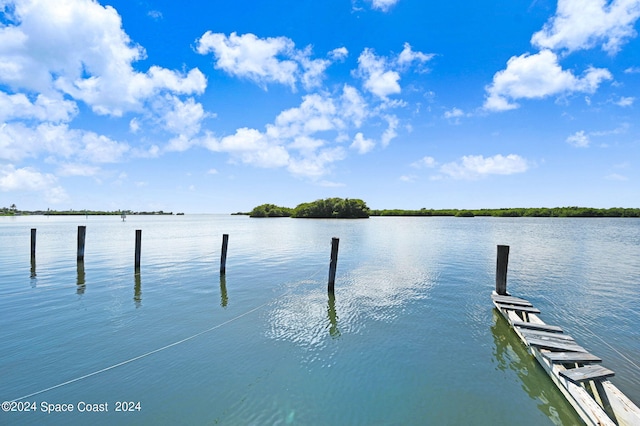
588, 372
627, 413
510, 300
623, 411
529, 309
571, 357
545, 335
555, 345
533, 326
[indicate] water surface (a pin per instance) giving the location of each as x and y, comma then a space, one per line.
410, 336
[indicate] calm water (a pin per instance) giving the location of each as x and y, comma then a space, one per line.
411, 336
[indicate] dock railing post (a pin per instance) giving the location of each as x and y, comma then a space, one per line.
33, 244
223, 255
333, 264
138, 249
501, 270
82, 232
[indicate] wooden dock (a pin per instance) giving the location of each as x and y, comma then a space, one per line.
577, 373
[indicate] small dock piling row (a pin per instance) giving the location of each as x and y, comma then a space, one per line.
82, 233
576, 372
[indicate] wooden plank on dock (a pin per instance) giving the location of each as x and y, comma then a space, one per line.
528, 309
510, 300
588, 372
545, 334
555, 345
534, 326
571, 357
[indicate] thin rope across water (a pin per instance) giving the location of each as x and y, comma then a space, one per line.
128, 361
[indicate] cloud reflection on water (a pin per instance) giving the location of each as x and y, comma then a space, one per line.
311, 318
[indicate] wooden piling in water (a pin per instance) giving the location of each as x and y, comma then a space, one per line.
223, 255
333, 264
33, 244
82, 232
138, 248
501, 270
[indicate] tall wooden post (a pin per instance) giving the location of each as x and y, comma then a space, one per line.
82, 232
138, 248
33, 252
33, 244
333, 264
501, 270
223, 255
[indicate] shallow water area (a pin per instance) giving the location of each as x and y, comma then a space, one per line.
409, 336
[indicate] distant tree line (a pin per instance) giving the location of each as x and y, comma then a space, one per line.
13, 211
517, 212
329, 208
9, 211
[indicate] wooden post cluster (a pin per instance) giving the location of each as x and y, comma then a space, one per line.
501, 270
138, 249
82, 233
333, 264
223, 255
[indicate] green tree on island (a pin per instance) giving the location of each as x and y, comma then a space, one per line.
329, 208
336, 208
270, 210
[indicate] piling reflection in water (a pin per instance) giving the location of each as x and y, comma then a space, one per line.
33, 267
512, 354
312, 318
224, 299
80, 281
333, 316
137, 290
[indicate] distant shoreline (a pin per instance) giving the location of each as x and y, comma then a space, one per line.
13, 212
503, 212
517, 212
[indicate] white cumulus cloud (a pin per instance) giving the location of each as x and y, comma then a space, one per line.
381, 75
58, 142
339, 53
383, 5
31, 180
44, 108
390, 132
471, 167
579, 139
583, 24
308, 139
538, 76
261, 60
266, 60
378, 79
625, 101
409, 56
361, 144
79, 48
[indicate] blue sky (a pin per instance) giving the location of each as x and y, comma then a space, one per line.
216, 107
